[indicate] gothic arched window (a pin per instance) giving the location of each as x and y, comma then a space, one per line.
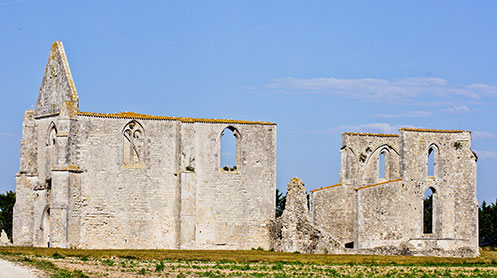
229, 149
382, 166
432, 161
52, 145
428, 210
133, 144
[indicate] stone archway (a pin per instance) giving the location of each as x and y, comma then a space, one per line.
45, 228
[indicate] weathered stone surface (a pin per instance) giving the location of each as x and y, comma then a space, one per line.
4, 239
293, 231
128, 180
57, 85
385, 215
93, 180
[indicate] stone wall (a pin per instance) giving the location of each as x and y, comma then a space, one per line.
128, 180
332, 211
93, 180
385, 215
382, 217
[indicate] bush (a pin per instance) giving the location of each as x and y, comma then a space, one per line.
108, 262
69, 274
160, 266
57, 256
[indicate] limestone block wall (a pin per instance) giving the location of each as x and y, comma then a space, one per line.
332, 211
178, 196
175, 195
360, 157
128, 180
454, 183
382, 218
388, 213
127, 206
26, 178
234, 207
333, 207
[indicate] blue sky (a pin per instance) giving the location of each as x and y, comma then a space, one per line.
317, 68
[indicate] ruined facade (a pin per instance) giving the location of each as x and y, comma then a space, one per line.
128, 180
93, 180
379, 205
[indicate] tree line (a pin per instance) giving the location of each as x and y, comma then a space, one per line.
487, 216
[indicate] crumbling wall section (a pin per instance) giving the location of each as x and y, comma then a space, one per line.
386, 214
294, 231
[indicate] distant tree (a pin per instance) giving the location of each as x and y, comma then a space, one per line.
280, 203
7, 201
488, 224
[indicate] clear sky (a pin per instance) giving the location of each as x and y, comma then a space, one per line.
316, 68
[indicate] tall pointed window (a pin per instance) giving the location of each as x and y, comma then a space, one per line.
133, 144
382, 166
431, 163
52, 145
229, 149
428, 211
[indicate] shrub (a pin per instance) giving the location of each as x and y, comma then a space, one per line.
57, 256
69, 274
108, 262
160, 266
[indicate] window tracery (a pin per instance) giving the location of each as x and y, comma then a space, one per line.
133, 146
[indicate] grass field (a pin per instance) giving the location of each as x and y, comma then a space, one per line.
202, 263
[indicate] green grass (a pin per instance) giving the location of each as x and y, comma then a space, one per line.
487, 257
251, 263
44, 265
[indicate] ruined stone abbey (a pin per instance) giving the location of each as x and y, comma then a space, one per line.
128, 180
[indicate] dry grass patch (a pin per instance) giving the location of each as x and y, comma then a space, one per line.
202, 263
486, 258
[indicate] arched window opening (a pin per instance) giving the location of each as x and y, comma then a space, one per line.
133, 146
229, 138
431, 163
45, 228
428, 211
52, 145
382, 166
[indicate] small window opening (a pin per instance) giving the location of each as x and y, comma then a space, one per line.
349, 245
382, 166
228, 149
428, 211
52, 144
431, 163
